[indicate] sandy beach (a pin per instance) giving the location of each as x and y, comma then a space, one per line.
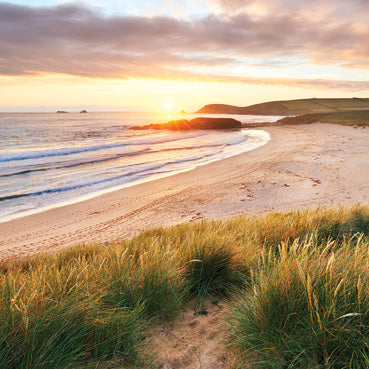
302, 166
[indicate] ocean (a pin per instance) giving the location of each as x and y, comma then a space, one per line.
48, 159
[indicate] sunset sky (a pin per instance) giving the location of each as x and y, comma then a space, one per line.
140, 54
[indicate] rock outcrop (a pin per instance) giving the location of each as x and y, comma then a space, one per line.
193, 124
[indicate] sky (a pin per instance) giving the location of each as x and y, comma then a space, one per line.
166, 54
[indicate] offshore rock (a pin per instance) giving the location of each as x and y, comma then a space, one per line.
193, 124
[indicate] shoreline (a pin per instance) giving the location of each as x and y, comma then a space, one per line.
301, 166
92, 195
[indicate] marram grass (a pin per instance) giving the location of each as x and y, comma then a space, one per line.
299, 283
308, 308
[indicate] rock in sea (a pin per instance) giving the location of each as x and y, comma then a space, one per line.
193, 124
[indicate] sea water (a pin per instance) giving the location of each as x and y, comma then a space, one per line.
49, 159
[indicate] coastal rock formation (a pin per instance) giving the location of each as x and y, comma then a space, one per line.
62, 112
83, 111
197, 123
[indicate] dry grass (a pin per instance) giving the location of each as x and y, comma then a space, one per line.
90, 305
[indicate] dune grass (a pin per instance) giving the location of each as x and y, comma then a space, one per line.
308, 308
298, 282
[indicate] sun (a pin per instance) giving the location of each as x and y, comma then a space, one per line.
168, 105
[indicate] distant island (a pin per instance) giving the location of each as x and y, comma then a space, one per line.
197, 123
289, 107
65, 112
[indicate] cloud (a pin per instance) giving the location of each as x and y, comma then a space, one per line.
78, 41
350, 86
308, 7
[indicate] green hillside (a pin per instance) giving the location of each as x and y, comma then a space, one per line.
353, 117
290, 107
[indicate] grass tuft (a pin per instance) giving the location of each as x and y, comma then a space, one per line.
310, 310
212, 267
